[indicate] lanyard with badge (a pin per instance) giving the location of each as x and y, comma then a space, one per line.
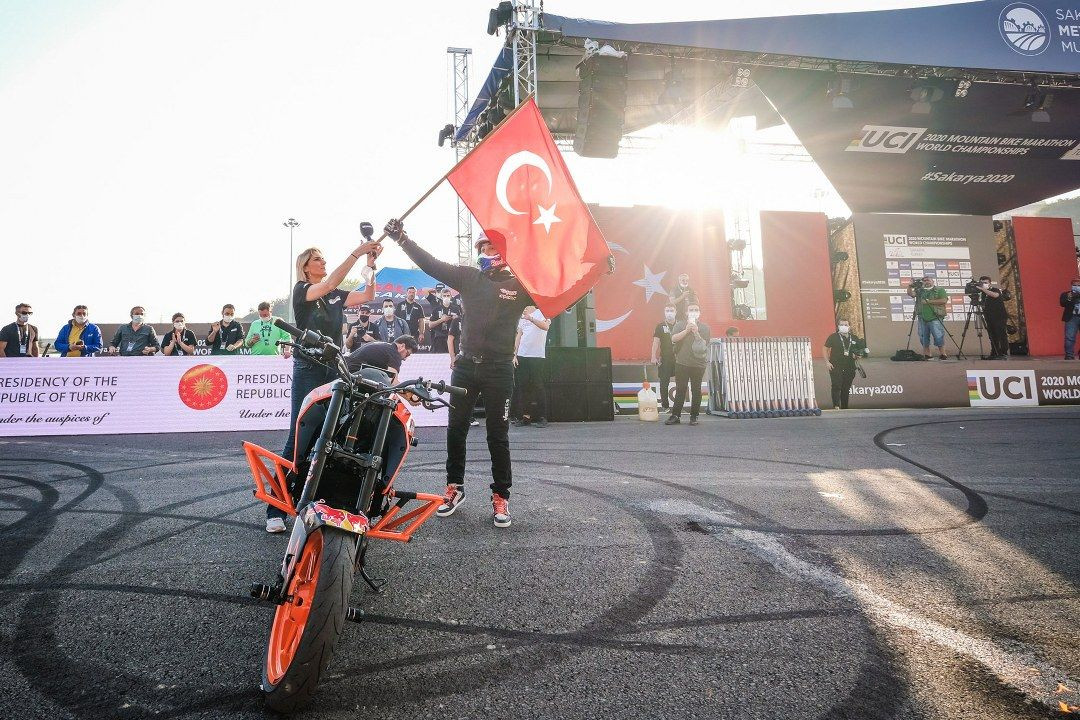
24, 339
848, 344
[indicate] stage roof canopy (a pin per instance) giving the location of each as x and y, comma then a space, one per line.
1021, 59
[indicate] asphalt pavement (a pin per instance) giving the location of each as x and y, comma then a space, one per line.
866, 564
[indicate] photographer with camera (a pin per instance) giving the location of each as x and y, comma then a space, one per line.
989, 298
930, 302
842, 352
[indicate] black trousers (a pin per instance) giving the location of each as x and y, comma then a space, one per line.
530, 382
842, 375
665, 371
438, 344
495, 381
687, 375
999, 335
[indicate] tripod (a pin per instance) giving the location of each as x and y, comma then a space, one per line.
975, 312
911, 328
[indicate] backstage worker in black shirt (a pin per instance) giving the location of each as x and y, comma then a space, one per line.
493, 300
996, 316
841, 350
383, 355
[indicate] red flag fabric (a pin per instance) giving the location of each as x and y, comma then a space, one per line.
517, 186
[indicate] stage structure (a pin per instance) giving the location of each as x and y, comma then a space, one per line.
967, 109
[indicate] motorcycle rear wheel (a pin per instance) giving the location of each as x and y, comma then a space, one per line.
305, 629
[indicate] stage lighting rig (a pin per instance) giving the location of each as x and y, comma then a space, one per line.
742, 312
446, 133
499, 17
962, 88
840, 91
1037, 102
737, 244
741, 78
738, 281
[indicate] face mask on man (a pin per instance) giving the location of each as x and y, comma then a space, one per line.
24, 317
684, 283
669, 316
693, 316
1076, 288
226, 319
388, 312
179, 324
80, 319
136, 319
446, 302
844, 329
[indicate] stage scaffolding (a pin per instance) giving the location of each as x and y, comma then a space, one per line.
460, 59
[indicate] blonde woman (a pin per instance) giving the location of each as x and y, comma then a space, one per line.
318, 305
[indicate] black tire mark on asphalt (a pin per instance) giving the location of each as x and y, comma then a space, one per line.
18, 538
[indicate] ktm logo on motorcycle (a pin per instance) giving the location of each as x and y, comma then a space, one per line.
202, 387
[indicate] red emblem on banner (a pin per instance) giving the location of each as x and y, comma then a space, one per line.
202, 387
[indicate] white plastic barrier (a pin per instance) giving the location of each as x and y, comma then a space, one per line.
114, 395
761, 377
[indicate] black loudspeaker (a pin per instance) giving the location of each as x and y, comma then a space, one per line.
598, 365
575, 326
580, 402
601, 106
576, 365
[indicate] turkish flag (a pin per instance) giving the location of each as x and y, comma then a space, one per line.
517, 186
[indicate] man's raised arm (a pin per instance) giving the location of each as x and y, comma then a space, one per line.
456, 276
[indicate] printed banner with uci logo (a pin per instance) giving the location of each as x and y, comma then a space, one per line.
117, 395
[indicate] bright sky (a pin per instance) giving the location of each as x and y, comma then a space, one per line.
151, 150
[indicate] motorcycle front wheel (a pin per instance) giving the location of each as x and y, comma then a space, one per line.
306, 627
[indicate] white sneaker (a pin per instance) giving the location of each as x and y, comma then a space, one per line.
275, 525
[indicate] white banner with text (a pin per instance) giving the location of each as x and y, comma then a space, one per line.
117, 395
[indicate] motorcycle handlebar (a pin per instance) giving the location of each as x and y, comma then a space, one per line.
452, 389
308, 338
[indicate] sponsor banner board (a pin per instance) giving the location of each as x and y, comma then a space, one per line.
115, 395
893, 250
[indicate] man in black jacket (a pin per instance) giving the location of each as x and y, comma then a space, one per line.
1070, 300
493, 300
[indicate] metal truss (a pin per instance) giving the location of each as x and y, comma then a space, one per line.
523, 30
460, 58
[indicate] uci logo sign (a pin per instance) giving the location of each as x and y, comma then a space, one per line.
885, 139
988, 388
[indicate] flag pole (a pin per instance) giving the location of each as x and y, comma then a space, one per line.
447, 174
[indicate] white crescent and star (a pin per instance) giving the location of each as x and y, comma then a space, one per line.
650, 282
520, 159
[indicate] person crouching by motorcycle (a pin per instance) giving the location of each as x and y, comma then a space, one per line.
318, 305
382, 354
493, 300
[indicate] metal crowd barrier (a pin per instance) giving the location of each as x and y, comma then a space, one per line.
761, 377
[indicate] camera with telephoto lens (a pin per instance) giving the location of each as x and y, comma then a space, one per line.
974, 291
916, 284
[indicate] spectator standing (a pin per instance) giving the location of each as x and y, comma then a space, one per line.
930, 302
263, 335
359, 333
453, 339
389, 326
1070, 301
135, 338
663, 352
412, 312
79, 337
691, 341
443, 314
227, 336
530, 349
681, 296
180, 341
20, 338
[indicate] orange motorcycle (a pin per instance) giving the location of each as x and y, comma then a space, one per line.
352, 438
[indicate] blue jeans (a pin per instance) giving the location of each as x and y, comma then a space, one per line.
931, 327
1072, 326
306, 376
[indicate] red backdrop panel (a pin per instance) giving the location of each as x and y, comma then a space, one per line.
652, 247
658, 243
1046, 259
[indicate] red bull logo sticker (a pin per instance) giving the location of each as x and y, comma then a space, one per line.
322, 514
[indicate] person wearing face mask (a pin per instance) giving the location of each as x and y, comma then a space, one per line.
180, 341
389, 326
359, 333
79, 337
227, 336
691, 341
842, 349
135, 338
443, 314
682, 296
412, 312
493, 300
263, 335
663, 353
1070, 301
20, 338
